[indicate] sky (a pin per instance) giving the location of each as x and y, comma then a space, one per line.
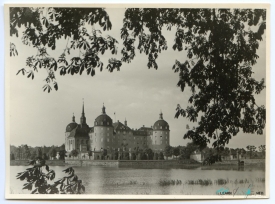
135, 92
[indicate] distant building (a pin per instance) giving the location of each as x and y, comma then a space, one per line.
111, 137
197, 156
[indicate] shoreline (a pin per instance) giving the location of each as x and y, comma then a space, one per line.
144, 163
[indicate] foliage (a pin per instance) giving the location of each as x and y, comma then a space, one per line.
186, 151
12, 157
176, 151
150, 154
168, 151
62, 154
104, 152
52, 152
262, 149
134, 156
221, 50
221, 47
251, 149
37, 180
39, 152
161, 156
43, 27
74, 153
45, 156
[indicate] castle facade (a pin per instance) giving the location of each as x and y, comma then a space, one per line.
114, 137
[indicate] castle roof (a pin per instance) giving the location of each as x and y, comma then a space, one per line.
80, 131
120, 126
161, 124
103, 119
71, 126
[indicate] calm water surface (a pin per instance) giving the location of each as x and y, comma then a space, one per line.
115, 180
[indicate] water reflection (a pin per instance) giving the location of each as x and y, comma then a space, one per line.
202, 180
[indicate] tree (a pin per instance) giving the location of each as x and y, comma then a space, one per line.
43, 27
39, 152
52, 152
251, 148
176, 151
62, 154
134, 157
12, 157
45, 156
90, 153
74, 153
26, 152
150, 153
221, 50
161, 156
104, 153
168, 151
262, 150
220, 45
37, 178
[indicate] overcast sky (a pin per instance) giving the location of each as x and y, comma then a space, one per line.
135, 92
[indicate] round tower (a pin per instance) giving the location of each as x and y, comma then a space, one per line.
71, 126
102, 137
161, 134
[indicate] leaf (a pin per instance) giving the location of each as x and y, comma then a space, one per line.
55, 86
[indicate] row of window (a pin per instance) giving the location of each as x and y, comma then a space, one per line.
101, 123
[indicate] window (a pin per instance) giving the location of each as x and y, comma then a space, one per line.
102, 128
166, 137
134, 138
108, 124
95, 123
108, 140
101, 123
166, 142
101, 139
166, 127
160, 127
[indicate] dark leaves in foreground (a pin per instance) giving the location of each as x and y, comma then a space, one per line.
43, 27
37, 178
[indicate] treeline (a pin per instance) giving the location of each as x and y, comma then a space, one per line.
25, 152
184, 152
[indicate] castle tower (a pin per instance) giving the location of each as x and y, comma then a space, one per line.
161, 134
102, 137
83, 118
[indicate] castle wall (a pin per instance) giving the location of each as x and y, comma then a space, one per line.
160, 139
102, 138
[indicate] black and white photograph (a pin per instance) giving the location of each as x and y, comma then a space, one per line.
121, 101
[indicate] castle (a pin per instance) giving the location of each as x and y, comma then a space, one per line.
113, 137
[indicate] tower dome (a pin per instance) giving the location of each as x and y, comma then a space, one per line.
161, 124
103, 119
71, 125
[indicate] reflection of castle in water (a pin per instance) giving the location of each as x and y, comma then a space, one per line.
110, 136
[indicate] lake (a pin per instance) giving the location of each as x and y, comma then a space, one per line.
127, 181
